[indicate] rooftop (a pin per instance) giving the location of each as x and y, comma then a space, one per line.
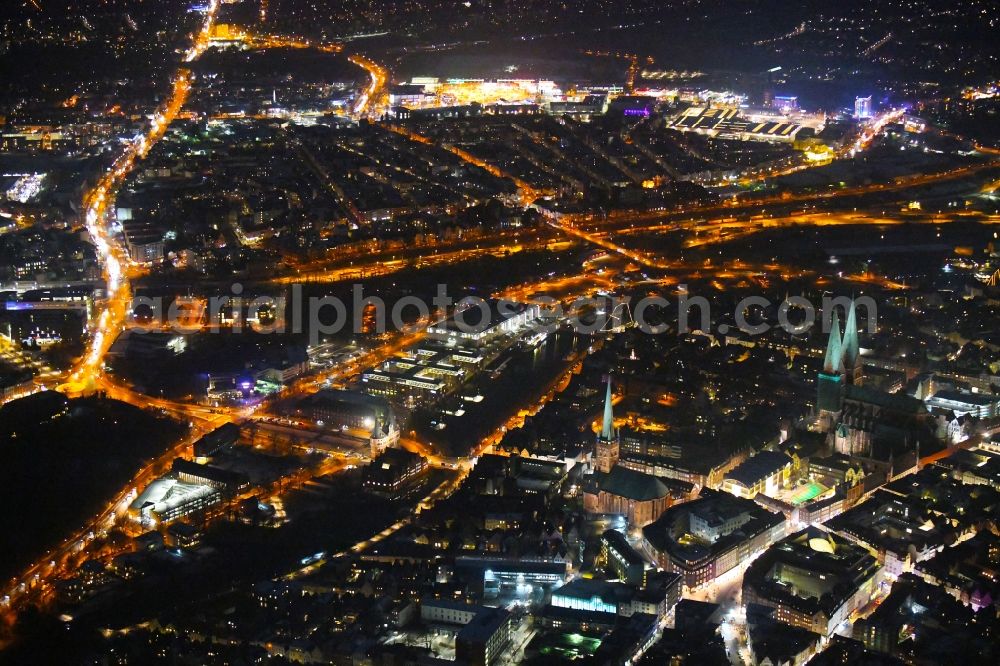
617, 541
633, 485
758, 467
897, 402
826, 568
979, 399
666, 534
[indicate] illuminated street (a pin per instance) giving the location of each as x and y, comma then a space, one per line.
641, 334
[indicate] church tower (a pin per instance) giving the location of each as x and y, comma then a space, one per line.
841, 367
385, 433
829, 384
852, 348
606, 450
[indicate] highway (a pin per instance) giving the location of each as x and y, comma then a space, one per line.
728, 228
116, 264
730, 206
36, 582
441, 254
373, 102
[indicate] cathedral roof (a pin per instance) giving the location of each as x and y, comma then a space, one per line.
897, 402
759, 466
633, 485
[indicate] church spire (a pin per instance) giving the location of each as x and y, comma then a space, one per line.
851, 347
606, 447
831, 363
608, 425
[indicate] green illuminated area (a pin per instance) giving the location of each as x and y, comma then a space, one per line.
808, 492
568, 647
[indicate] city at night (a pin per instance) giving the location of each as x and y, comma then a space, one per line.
499, 332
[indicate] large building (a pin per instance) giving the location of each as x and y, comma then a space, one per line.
767, 472
692, 461
496, 574
863, 107
365, 416
393, 471
728, 124
786, 103
424, 373
915, 612
584, 110
862, 421
615, 488
447, 611
224, 480
813, 579
901, 530
608, 598
641, 498
973, 467
621, 559
836, 469
167, 499
408, 95
477, 326
841, 366
44, 321
483, 640
979, 405
703, 539
482, 633
144, 242
212, 443
872, 420
190, 487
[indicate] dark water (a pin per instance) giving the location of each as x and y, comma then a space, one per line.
521, 383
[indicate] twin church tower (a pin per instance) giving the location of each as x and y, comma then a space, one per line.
841, 367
